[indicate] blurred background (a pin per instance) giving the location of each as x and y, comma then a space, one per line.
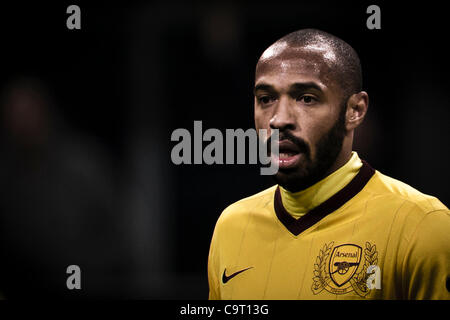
86, 118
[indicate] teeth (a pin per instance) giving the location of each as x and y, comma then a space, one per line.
286, 154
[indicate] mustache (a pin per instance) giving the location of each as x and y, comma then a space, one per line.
299, 142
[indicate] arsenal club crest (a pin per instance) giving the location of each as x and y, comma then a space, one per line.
342, 269
344, 262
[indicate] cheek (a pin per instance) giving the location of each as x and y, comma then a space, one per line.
262, 120
315, 127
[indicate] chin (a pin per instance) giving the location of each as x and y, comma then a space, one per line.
301, 177
294, 179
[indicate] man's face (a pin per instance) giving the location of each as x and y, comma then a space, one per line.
296, 93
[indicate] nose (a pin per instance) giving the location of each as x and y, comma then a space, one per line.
283, 117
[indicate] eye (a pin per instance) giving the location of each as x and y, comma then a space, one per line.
265, 99
307, 99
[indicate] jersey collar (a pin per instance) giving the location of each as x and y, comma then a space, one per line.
299, 203
296, 226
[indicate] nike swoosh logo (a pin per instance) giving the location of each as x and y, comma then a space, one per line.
226, 278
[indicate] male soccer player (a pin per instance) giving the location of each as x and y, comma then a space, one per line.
332, 227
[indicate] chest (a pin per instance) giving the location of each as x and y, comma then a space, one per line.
349, 261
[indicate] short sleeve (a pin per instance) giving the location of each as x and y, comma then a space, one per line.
426, 265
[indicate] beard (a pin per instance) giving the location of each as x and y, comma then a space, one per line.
313, 170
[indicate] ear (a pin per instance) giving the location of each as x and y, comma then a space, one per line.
357, 106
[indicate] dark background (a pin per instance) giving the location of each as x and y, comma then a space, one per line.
98, 189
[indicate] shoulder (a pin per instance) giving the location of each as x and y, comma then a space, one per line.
391, 190
244, 208
416, 215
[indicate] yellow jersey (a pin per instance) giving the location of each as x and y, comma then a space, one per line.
374, 238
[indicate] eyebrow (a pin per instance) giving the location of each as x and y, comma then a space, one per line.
297, 86
303, 86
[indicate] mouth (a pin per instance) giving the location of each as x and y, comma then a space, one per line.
289, 154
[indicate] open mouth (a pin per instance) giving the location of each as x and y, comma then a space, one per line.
288, 154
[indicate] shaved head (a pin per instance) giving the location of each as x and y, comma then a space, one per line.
324, 52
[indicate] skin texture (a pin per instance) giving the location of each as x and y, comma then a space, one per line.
298, 93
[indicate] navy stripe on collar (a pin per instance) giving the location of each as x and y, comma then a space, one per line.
297, 226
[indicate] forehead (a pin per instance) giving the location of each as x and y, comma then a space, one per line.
313, 61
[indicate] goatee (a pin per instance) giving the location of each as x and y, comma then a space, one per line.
312, 171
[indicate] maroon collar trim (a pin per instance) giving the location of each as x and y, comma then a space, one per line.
297, 226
